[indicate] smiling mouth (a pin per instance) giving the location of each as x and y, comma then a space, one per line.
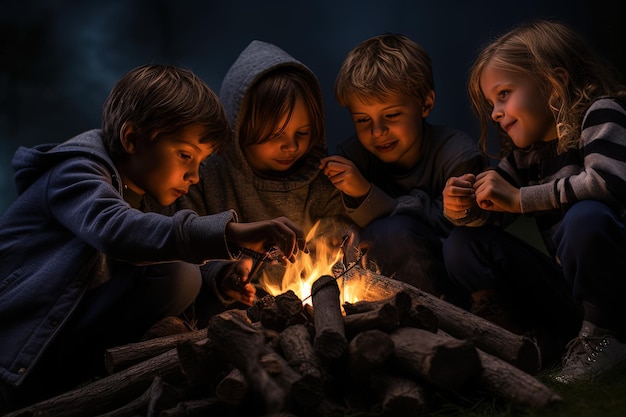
507, 127
387, 147
285, 161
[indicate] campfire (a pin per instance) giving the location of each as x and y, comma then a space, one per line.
333, 338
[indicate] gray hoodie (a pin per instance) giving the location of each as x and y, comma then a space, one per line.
229, 182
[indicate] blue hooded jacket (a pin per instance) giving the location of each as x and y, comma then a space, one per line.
68, 218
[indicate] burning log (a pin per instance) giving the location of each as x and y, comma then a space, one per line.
409, 315
277, 312
443, 361
330, 339
385, 317
515, 349
401, 301
121, 357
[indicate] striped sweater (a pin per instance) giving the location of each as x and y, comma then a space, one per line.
551, 183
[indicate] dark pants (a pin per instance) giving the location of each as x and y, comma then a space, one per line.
117, 312
404, 248
591, 249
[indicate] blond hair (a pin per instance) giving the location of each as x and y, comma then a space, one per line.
384, 65
541, 50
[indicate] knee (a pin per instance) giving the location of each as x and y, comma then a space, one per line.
456, 245
180, 286
589, 223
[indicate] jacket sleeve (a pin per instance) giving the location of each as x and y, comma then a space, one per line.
82, 198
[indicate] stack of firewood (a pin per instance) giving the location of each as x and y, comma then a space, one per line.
388, 354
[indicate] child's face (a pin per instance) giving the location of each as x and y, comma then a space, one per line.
392, 129
280, 152
519, 107
165, 167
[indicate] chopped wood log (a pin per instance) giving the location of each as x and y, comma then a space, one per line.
243, 345
368, 351
201, 362
233, 387
511, 383
255, 311
443, 361
399, 396
330, 338
107, 393
196, 408
402, 301
277, 312
295, 343
384, 317
158, 397
409, 314
421, 317
290, 307
121, 357
167, 326
518, 350
303, 390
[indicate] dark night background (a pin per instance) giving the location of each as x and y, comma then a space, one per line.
59, 59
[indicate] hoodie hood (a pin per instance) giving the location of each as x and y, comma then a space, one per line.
31, 163
255, 61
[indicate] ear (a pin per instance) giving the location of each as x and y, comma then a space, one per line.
128, 137
429, 103
562, 74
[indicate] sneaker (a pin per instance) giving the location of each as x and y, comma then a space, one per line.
589, 355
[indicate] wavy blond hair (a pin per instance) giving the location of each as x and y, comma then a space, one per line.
540, 50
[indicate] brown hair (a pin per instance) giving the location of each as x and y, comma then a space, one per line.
384, 65
162, 99
272, 97
540, 50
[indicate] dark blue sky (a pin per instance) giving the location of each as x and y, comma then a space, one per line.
59, 59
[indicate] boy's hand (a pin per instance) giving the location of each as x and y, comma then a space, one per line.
345, 176
459, 196
236, 281
280, 232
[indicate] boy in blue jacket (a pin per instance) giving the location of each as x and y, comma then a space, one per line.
82, 267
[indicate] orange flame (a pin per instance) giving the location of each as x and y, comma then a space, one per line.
323, 259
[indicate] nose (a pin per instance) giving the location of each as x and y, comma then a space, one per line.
193, 175
379, 128
497, 114
289, 143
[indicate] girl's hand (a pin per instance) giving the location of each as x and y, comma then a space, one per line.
280, 232
496, 194
345, 176
459, 196
236, 281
